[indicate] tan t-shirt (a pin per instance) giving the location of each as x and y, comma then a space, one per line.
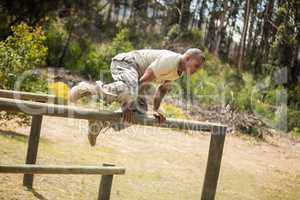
164, 63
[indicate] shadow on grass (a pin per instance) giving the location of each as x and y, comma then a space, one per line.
37, 195
17, 136
14, 135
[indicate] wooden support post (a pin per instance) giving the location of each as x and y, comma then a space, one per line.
32, 149
105, 185
213, 163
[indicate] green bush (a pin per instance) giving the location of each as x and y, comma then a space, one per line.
93, 63
56, 39
23, 51
293, 120
74, 57
20, 53
177, 39
64, 51
172, 111
99, 57
120, 43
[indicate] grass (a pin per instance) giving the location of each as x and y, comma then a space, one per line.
160, 165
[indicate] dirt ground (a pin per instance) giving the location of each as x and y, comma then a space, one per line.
161, 164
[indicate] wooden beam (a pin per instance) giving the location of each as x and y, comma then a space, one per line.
28, 96
213, 164
35, 108
59, 169
32, 148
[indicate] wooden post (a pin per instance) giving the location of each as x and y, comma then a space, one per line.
32, 149
213, 163
105, 185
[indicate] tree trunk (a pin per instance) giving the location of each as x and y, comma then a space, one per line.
221, 28
108, 16
267, 29
125, 6
210, 34
244, 34
201, 13
251, 27
185, 15
194, 16
61, 59
117, 4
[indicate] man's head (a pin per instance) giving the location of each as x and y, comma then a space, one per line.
192, 60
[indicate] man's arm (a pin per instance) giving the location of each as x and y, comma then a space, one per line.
162, 90
147, 77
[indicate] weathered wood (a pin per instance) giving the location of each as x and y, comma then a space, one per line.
83, 113
59, 169
28, 96
105, 185
32, 149
213, 163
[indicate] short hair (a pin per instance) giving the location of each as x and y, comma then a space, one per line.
195, 52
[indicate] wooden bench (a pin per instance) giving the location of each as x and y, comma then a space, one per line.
107, 171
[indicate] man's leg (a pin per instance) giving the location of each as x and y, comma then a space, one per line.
123, 89
126, 88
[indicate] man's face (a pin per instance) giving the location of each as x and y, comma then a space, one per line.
193, 64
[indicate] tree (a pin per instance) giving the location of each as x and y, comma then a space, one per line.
184, 14
244, 34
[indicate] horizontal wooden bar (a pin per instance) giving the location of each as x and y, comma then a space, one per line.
35, 108
58, 169
28, 96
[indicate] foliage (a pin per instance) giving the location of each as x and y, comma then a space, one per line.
173, 111
219, 84
293, 120
93, 63
19, 53
120, 43
74, 56
98, 59
56, 38
177, 39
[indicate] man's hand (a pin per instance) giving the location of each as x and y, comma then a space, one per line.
158, 115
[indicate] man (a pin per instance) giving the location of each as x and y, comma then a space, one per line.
132, 72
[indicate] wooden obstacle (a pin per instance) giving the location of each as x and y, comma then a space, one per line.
37, 110
29, 96
107, 172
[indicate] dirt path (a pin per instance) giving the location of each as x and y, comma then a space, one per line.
161, 164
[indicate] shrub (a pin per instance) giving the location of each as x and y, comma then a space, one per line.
94, 62
98, 58
74, 56
177, 39
22, 51
173, 111
56, 38
293, 120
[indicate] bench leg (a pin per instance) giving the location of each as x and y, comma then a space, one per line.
213, 163
105, 185
32, 149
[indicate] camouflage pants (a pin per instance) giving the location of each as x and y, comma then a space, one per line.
125, 86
